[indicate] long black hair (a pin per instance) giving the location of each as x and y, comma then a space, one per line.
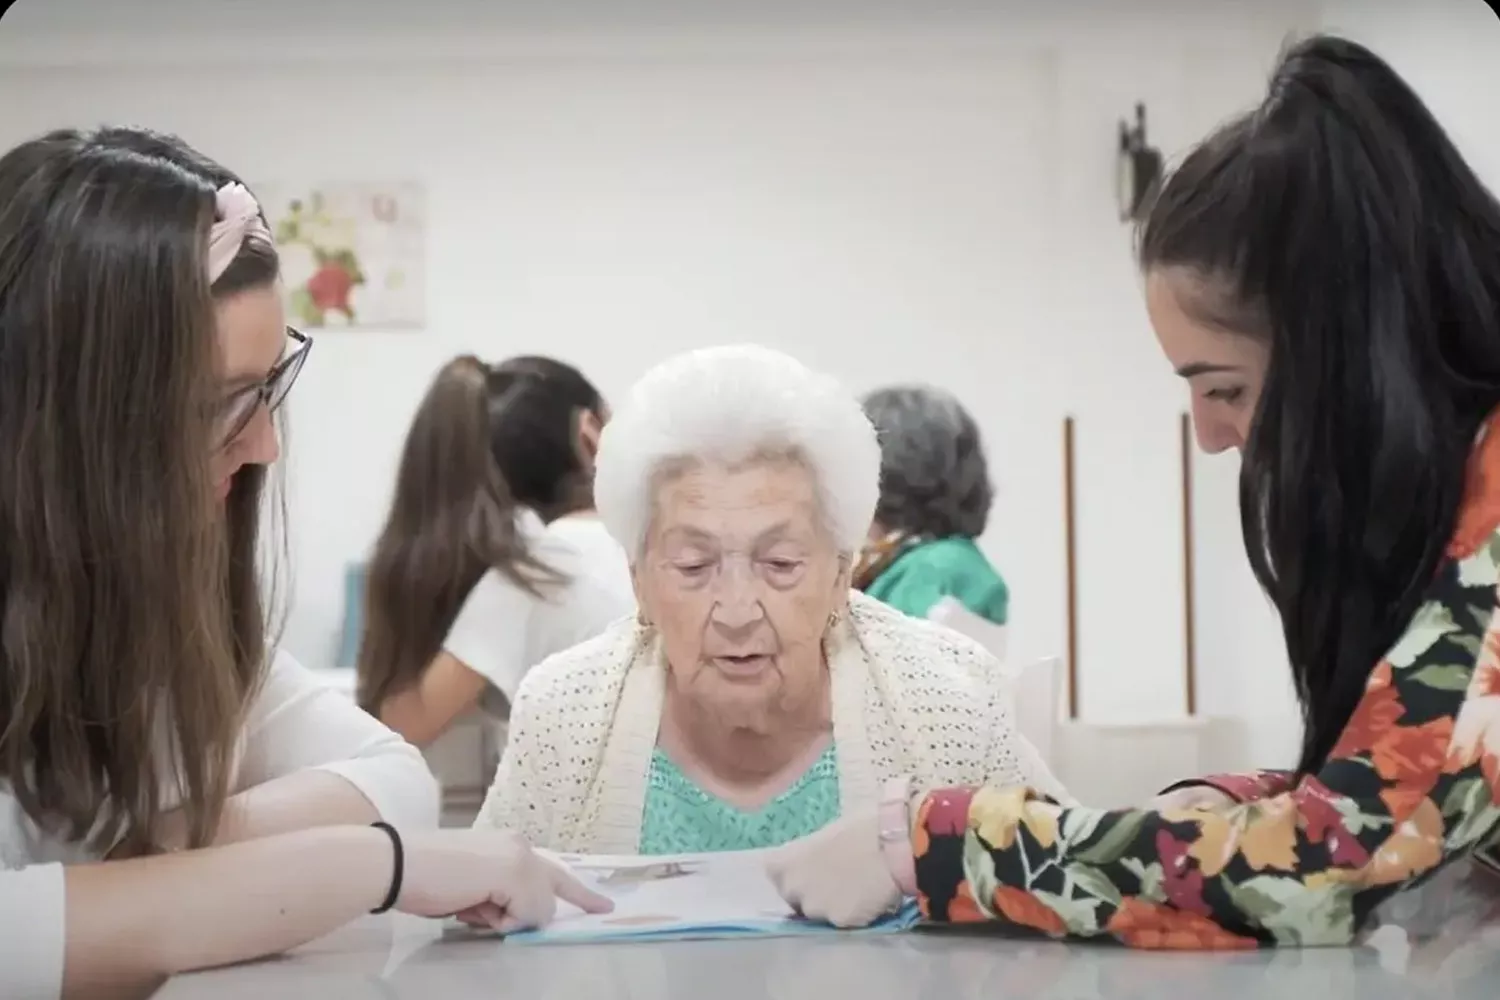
1338, 224
535, 403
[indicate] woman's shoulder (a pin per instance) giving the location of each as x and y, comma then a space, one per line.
917, 648
945, 567
935, 702
580, 537
579, 547
580, 672
954, 557
584, 531
286, 681
497, 595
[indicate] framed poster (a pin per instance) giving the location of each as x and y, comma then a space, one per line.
353, 254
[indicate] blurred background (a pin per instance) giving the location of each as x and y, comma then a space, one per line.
890, 191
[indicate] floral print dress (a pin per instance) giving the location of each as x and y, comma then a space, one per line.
1412, 786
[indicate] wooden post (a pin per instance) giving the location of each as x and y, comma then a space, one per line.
1189, 609
1070, 528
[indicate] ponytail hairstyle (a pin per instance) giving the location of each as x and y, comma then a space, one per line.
537, 405
1338, 225
453, 519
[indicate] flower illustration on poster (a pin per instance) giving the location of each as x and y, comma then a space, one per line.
352, 254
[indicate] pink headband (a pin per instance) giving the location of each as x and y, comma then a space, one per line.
238, 218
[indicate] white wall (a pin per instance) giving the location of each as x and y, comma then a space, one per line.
886, 192
1449, 50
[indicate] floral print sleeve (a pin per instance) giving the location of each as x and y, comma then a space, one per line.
1413, 784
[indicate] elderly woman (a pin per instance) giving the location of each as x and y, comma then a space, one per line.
935, 497
754, 699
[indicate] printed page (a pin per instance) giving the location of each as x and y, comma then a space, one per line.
658, 894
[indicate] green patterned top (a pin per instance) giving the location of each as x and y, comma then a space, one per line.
928, 571
681, 818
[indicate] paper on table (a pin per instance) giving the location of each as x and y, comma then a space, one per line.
682, 896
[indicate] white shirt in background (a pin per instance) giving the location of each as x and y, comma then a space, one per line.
298, 722
502, 631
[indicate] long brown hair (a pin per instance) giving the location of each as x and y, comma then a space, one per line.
132, 628
453, 518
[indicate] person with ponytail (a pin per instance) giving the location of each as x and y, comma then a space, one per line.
175, 792
492, 557
1324, 273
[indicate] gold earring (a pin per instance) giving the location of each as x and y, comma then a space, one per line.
833, 620
642, 620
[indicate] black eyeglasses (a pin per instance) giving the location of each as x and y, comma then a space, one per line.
240, 408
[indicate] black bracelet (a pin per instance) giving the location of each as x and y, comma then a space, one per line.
398, 871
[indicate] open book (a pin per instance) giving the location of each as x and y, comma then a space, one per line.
682, 897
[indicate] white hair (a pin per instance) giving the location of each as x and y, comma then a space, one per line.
724, 406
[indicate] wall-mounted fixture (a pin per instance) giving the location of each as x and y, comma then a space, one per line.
1138, 169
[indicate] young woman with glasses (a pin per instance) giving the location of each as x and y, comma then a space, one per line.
175, 793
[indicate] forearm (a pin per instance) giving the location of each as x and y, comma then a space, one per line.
148, 918
1297, 869
410, 715
300, 801
446, 690
1015, 858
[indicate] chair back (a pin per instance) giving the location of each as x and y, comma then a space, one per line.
1035, 688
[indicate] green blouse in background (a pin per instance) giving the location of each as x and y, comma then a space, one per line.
947, 567
681, 818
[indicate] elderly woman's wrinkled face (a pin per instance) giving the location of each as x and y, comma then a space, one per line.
741, 578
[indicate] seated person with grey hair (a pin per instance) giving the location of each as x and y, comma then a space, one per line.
754, 698
935, 497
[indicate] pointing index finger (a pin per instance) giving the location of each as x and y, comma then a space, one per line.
569, 889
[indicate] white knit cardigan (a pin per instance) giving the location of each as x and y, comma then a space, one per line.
910, 698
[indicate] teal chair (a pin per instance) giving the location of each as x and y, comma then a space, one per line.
464, 758
354, 614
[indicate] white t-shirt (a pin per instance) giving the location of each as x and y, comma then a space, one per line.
298, 722
502, 631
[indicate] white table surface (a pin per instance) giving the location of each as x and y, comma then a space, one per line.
395, 958
380, 958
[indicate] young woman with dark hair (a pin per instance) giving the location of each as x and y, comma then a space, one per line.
492, 557
1324, 272
174, 792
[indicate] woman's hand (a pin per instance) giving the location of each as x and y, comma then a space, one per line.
1191, 797
838, 874
488, 879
